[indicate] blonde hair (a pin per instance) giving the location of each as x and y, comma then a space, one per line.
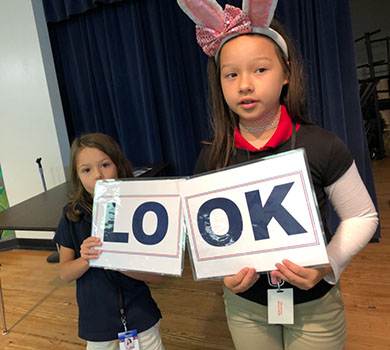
77, 193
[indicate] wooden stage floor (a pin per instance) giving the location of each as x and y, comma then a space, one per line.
41, 310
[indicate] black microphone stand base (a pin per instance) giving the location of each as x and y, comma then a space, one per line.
53, 258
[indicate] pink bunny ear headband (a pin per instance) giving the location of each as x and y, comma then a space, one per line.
215, 26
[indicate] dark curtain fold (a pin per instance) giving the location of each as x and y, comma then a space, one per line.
132, 69
126, 70
60, 10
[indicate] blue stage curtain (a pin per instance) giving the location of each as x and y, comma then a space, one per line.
132, 69
60, 10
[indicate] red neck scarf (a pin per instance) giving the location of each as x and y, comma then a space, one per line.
281, 134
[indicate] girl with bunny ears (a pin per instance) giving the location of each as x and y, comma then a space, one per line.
259, 109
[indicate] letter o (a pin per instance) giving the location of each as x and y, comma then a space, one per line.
162, 223
234, 217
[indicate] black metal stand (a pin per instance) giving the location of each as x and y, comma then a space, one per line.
5, 330
370, 103
53, 258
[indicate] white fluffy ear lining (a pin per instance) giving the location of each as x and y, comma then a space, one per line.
206, 12
260, 12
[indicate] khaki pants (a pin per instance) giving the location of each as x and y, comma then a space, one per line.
148, 340
318, 324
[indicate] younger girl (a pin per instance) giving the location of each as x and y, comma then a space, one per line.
258, 100
95, 157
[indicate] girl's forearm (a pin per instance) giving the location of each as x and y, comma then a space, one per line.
73, 269
358, 220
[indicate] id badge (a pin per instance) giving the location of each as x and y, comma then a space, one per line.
280, 306
128, 340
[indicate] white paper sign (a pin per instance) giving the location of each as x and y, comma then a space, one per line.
140, 223
253, 215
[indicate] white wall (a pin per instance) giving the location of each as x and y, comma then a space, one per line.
31, 118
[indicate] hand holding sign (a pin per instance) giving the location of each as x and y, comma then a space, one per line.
254, 215
241, 281
140, 224
88, 248
302, 277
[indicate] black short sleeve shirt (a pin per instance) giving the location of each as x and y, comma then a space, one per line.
328, 158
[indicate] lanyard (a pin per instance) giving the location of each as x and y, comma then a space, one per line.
120, 300
293, 142
278, 283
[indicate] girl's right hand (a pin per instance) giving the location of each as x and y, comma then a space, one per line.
87, 250
241, 281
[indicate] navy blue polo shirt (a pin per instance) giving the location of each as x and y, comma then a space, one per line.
97, 296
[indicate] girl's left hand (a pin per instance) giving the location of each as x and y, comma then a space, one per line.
88, 249
302, 277
242, 280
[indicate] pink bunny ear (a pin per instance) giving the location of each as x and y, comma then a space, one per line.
260, 12
207, 12
215, 26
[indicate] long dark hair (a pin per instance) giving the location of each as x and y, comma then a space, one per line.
77, 192
224, 121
